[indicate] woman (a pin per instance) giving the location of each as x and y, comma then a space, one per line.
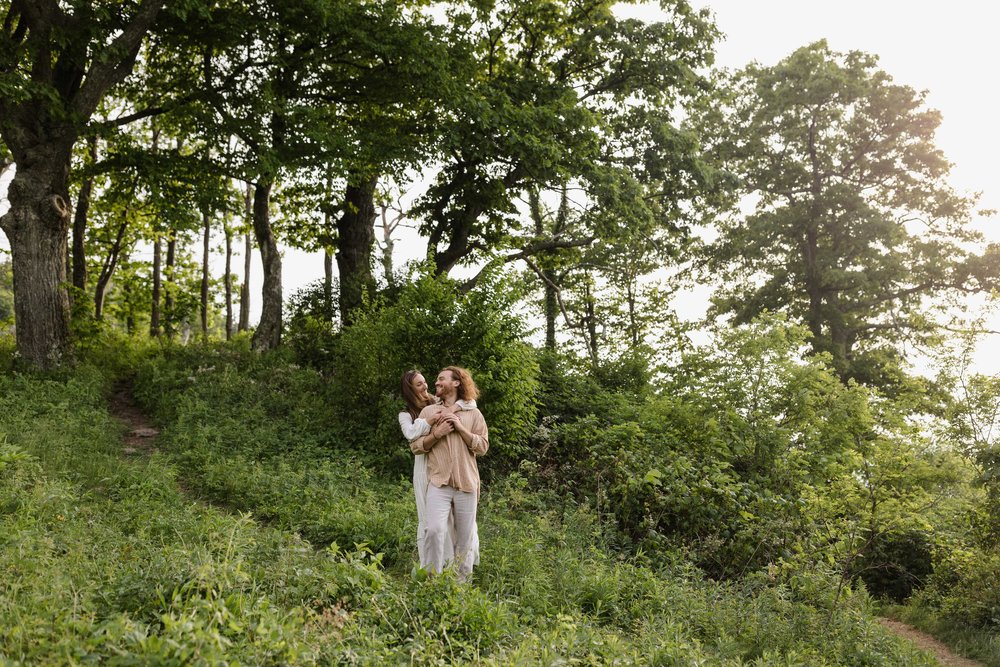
414, 389
456, 439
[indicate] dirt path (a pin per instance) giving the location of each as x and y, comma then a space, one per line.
140, 439
927, 643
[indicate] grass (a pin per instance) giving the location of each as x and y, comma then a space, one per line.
105, 559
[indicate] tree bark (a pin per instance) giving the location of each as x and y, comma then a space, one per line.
328, 284
206, 237
80, 223
244, 324
37, 226
154, 313
108, 269
551, 313
229, 280
268, 333
70, 69
591, 325
168, 300
355, 239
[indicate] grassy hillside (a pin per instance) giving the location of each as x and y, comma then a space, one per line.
251, 537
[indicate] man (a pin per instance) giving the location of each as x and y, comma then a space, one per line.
453, 475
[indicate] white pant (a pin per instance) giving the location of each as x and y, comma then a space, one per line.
443, 502
420, 485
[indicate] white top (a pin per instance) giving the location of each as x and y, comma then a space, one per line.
415, 428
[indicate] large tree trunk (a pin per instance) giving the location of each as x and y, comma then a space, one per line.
37, 226
268, 333
80, 223
154, 313
355, 238
207, 224
64, 67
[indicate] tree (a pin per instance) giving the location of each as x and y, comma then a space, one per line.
854, 230
57, 61
551, 98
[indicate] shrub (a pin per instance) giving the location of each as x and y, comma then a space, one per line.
432, 325
895, 564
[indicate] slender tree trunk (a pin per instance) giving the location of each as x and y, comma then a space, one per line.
244, 324
206, 237
550, 301
591, 325
168, 300
229, 280
328, 284
80, 223
355, 238
154, 313
551, 313
129, 297
633, 318
388, 246
108, 269
268, 333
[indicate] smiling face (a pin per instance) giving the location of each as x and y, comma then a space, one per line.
446, 385
419, 384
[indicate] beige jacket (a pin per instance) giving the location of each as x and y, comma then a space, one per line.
450, 462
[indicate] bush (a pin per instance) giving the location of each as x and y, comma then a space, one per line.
896, 564
963, 588
433, 325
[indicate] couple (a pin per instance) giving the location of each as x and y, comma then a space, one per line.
446, 433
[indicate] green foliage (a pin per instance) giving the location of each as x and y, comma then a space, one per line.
311, 327
431, 325
843, 165
114, 562
894, 565
751, 458
6, 293
963, 588
107, 561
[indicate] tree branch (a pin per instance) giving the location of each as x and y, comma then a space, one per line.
107, 71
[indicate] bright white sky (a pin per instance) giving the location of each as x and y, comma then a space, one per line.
949, 49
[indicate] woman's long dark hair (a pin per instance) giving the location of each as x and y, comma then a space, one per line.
414, 402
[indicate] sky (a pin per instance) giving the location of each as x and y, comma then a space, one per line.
949, 49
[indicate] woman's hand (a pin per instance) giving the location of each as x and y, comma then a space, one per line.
442, 428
